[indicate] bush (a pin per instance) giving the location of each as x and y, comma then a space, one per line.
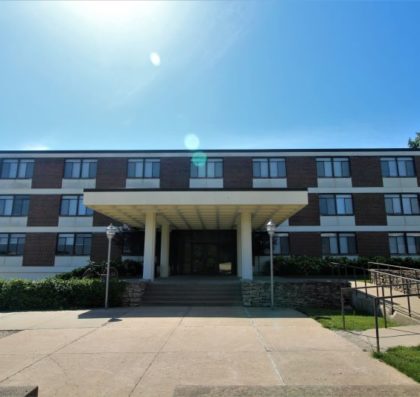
53, 293
318, 266
126, 268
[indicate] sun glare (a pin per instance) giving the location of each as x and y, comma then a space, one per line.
104, 12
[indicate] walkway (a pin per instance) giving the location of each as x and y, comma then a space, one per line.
148, 351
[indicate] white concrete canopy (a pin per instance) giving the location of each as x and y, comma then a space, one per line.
197, 209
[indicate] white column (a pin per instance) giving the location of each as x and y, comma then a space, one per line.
149, 246
238, 249
164, 250
246, 245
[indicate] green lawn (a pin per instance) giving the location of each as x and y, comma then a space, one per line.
405, 359
331, 319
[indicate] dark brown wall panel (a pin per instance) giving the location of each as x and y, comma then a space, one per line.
417, 165
305, 244
301, 172
103, 220
369, 209
48, 173
308, 215
366, 171
111, 173
100, 248
175, 173
44, 210
39, 249
372, 244
237, 172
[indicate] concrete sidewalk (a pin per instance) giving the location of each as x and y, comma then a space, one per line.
148, 351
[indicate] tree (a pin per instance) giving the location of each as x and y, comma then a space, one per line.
414, 143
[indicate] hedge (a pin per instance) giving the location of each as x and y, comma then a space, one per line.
318, 266
53, 294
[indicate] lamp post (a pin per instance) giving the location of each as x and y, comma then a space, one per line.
111, 230
271, 228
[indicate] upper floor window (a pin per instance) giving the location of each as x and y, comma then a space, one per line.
16, 169
80, 169
12, 243
338, 244
14, 205
73, 206
74, 244
402, 204
333, 167
210, 168
397, 167
404, 243
335, 204
262, 244
269, 168
143, 168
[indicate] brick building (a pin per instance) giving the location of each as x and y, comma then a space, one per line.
204, 212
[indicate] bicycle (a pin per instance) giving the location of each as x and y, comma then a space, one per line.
98, 270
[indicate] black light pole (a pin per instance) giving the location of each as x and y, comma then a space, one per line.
111, 230
271, 228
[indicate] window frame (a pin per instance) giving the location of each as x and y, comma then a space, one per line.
24, 197
268, 160
206, 169
80, 161
19, 163
331, 161
338, 236
79, 199
20, 247
400, 200
405, 236
143, 161
335, 195
396, 158
74, 236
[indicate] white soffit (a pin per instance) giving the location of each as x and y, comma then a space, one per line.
197, 210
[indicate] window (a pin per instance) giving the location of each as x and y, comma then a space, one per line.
143, 168
73, 206
404, 243
337, 167
80, 169
14, 205
269, 168
335, 204
74, 244
402, 204
12, 243
397, 167
132, 243
211, 168
261, 245
338, 244
16, 169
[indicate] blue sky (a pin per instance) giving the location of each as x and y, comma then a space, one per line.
266, 74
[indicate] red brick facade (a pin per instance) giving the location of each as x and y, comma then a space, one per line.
305, 244
48, 173
39, 249
369, 208
366, 171
44, 210
301, 172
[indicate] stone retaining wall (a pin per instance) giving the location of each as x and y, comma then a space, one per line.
133, 294
392, 277
298, 294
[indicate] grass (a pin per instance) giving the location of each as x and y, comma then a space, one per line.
330, 318
405, 359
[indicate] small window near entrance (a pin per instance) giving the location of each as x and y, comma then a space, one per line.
262, 244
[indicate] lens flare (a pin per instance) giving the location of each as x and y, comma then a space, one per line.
191, 142
199, 159
155, 58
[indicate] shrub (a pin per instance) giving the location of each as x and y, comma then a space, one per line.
53, 293
318, 266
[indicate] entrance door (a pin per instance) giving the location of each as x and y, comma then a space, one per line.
205, 258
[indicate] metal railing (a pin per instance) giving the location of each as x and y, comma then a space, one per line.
393, 274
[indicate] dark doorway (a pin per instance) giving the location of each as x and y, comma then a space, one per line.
203, 252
